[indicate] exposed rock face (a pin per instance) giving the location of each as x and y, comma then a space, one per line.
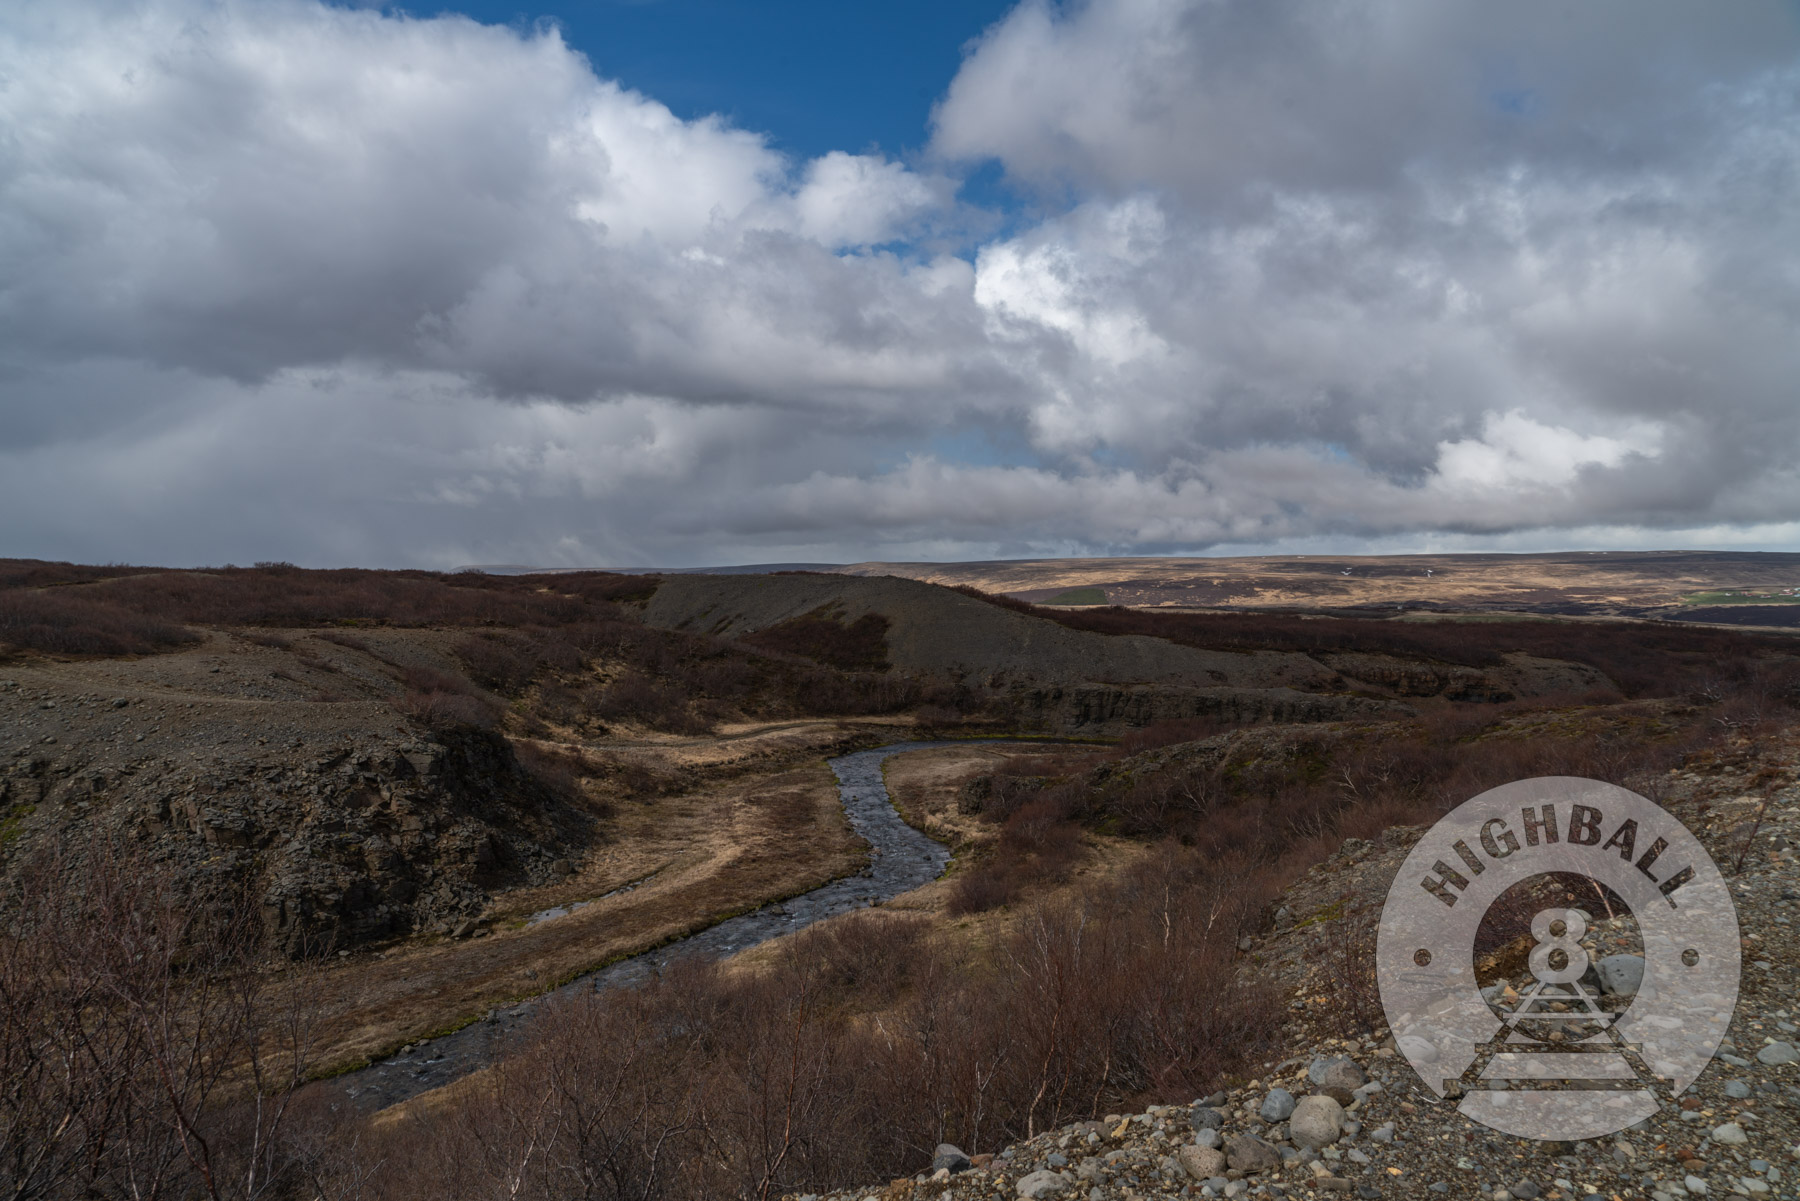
389, 844
1102, 708
382, 837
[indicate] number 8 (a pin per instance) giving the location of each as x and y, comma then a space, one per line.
1559, 957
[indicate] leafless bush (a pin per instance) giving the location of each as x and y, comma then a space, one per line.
850, 1056
141, 1051
825, 637
63, 624
494, 661
1170, 733
561, 770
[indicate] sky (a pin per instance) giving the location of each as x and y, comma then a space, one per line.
684, 282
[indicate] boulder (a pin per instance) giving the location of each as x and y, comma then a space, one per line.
1204, 1117
1776, 1054
1208, 1138
1317, 1122
1202, 1163
948, 1156
1042, 1184
1621, 975
1247, 1153
1276, 1106
1336, 1071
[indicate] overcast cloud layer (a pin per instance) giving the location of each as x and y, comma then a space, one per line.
281, 280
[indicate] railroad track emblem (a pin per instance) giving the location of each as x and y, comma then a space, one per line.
1558, 1060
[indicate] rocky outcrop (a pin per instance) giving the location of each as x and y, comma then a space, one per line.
374, 839
1098, 709
1517, 676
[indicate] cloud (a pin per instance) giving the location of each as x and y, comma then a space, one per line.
1223, 101
287, 280
240, 188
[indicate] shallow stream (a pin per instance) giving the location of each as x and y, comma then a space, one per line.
900, 859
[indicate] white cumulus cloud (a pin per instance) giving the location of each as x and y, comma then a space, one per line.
280, 279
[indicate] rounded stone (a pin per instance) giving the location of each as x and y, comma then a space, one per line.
1201, 1163
949, 1156
1247, 1153
1776, 1054
1621, 975
1339, 1071
1316, 1122
1276, 1106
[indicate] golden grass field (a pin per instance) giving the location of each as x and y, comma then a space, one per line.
1600, 581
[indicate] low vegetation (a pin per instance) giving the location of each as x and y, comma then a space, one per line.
825, 637
1645, 659
1085, 961
67, 609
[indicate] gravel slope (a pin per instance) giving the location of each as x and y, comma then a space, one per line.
1735, 1132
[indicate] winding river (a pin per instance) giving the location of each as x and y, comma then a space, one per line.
901, 859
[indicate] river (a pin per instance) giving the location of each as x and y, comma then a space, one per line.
900, 860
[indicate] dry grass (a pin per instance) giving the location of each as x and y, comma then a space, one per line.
1650, 578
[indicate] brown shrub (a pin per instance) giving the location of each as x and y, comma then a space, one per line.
561, 770
143, 1052
443, 710
980, 889
441, 701
1171, 733
67, 609
851, 1056
495, 661
1644, 659
59, 623
824, 637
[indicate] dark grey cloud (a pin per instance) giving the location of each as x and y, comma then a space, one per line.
286, 280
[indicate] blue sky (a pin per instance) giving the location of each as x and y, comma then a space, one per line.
815, 75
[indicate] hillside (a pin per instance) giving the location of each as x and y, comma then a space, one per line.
1060, 679
1370, 1129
